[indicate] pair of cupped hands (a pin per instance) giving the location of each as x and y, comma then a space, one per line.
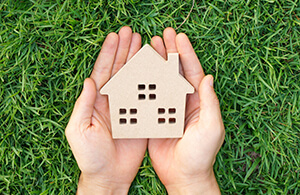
108, 166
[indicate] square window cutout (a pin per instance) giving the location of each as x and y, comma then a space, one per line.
123, 120
133, 121
161, 120
133, 111
141, 86
152, 96
152, 86
172, 120
122, 111
142, 96
172, 110
161, 110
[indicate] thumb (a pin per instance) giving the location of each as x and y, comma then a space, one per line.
84, 106
210, 114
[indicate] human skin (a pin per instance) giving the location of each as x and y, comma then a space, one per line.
185, 165
108, 166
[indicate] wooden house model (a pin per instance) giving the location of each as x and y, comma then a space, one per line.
147, 97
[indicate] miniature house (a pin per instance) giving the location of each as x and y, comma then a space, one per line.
147, 97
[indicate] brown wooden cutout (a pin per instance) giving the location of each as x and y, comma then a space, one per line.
147, 97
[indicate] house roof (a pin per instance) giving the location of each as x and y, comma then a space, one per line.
148, 61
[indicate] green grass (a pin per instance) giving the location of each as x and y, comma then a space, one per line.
47, 49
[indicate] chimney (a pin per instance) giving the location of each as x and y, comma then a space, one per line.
173, 63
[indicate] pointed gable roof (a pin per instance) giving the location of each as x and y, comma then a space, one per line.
145, 56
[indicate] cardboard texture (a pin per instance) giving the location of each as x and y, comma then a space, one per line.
147, 97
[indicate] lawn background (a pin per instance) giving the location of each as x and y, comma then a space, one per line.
47, 49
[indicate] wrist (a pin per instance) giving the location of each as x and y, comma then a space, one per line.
199, 185
96, 185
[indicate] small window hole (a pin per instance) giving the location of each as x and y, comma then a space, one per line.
172, 110
161, 110
172, 120
133, 121
152, 86
152, 96
123, 120
142, 96
141, 86
122, 111
133, 111
161, 120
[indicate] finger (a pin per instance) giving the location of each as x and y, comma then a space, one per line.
192, 69
125, 35
135, 46
84, 106
169, 36
103, 66
210, 113
158, 44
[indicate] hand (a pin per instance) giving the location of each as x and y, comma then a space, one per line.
107, 166
185, 166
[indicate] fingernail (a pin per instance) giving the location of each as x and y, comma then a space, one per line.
211, 82
83, 84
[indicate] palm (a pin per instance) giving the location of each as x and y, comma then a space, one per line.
95, 151
169, 154
174, 157
121, 156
